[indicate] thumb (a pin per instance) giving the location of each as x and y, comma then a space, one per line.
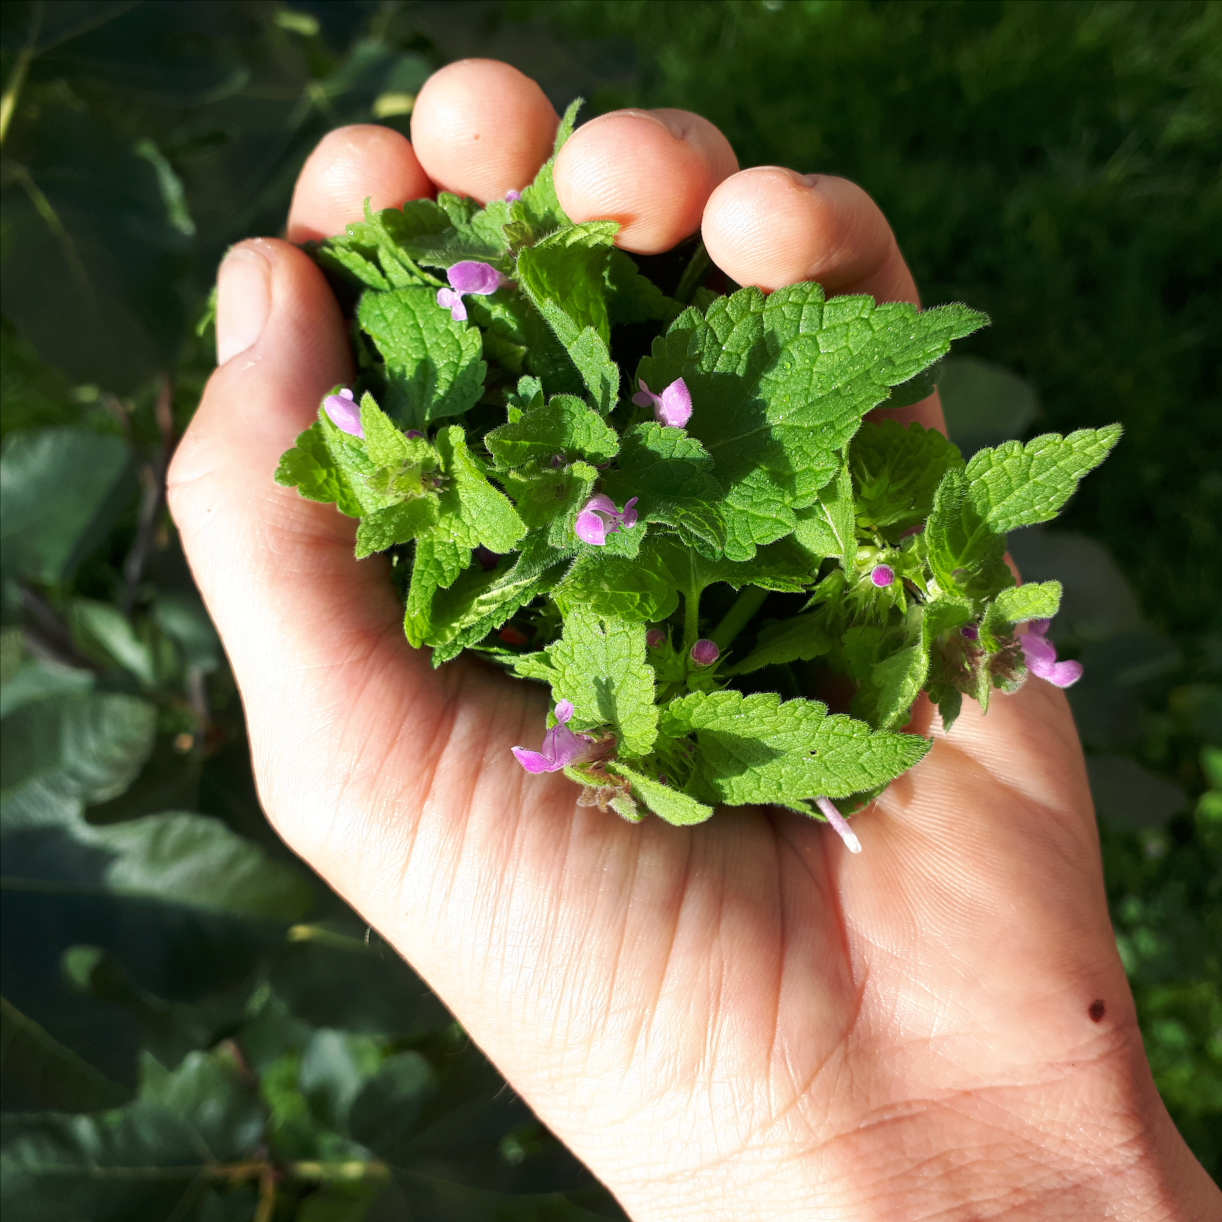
309, 630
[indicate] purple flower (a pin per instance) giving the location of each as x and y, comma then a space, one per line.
705, 652
840, 825
468, 276
970, 632
344, 412
454, 303
561, 746
1041, 656
655, 637
512, 195
590, 525
672, 407
882, 575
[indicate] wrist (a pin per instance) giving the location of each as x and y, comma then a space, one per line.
1090, 1141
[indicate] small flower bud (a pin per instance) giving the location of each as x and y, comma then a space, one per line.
970, 632
882, 575
705, 652
344, 412
655, 637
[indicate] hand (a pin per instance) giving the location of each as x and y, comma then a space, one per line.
737, 1020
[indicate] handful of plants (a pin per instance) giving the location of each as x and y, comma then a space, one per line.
669, 508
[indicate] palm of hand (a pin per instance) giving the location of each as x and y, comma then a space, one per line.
671, 1001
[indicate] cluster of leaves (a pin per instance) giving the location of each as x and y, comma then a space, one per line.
774, 489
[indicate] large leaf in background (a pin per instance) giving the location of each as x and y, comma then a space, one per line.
170, 906
161, 1156
59, 489
92, 252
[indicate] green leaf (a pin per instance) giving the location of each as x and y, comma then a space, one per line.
600, 666
779, 385
152, 1158
1017, 605
60, 489
892, 685
965, 553
1014, 485
759, 749
798, 639
434, 363
398, 523
669, 804
564, 425
473, 511
63, 752
829, 526
39, 1072
896, 471
562, 276
437, 565
640, 590
672, 474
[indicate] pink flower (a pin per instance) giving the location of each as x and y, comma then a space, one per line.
1041, 656
672, 407
561, 747
705, 652
591, 526
512, 195
344, 412
840, 825
468, 276
882, 575
454, 303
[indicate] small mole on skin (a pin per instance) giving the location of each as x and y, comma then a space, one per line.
1097, 1011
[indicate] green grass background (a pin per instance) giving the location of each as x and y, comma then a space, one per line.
178, 994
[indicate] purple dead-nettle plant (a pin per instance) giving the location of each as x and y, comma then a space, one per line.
599, 517
344, 412
705, 652
840, 825
1041, 656
672, 407
882, 575
468, 277
561, 747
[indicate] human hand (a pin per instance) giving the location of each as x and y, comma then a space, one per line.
736, 1020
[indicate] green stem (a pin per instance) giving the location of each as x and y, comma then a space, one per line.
691, 617
736, 618
693, 273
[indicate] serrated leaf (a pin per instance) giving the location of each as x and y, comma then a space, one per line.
434, 363
779, 385
640, 590
759, 749
672, 805
633, 297
437, 564
600, 666
1017, 605
965, 554
562, 276
1015, 485
394, 524
829, 526
896, 470
672, 475
473, 512
563, 426
799, 639
539, 211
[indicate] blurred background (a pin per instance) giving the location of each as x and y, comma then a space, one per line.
193, 1026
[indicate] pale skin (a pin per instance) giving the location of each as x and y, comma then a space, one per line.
734, 1021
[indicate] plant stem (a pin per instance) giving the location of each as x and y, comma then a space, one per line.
735, 619
693, 273
691, 617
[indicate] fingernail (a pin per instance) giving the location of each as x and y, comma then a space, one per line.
243, 297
